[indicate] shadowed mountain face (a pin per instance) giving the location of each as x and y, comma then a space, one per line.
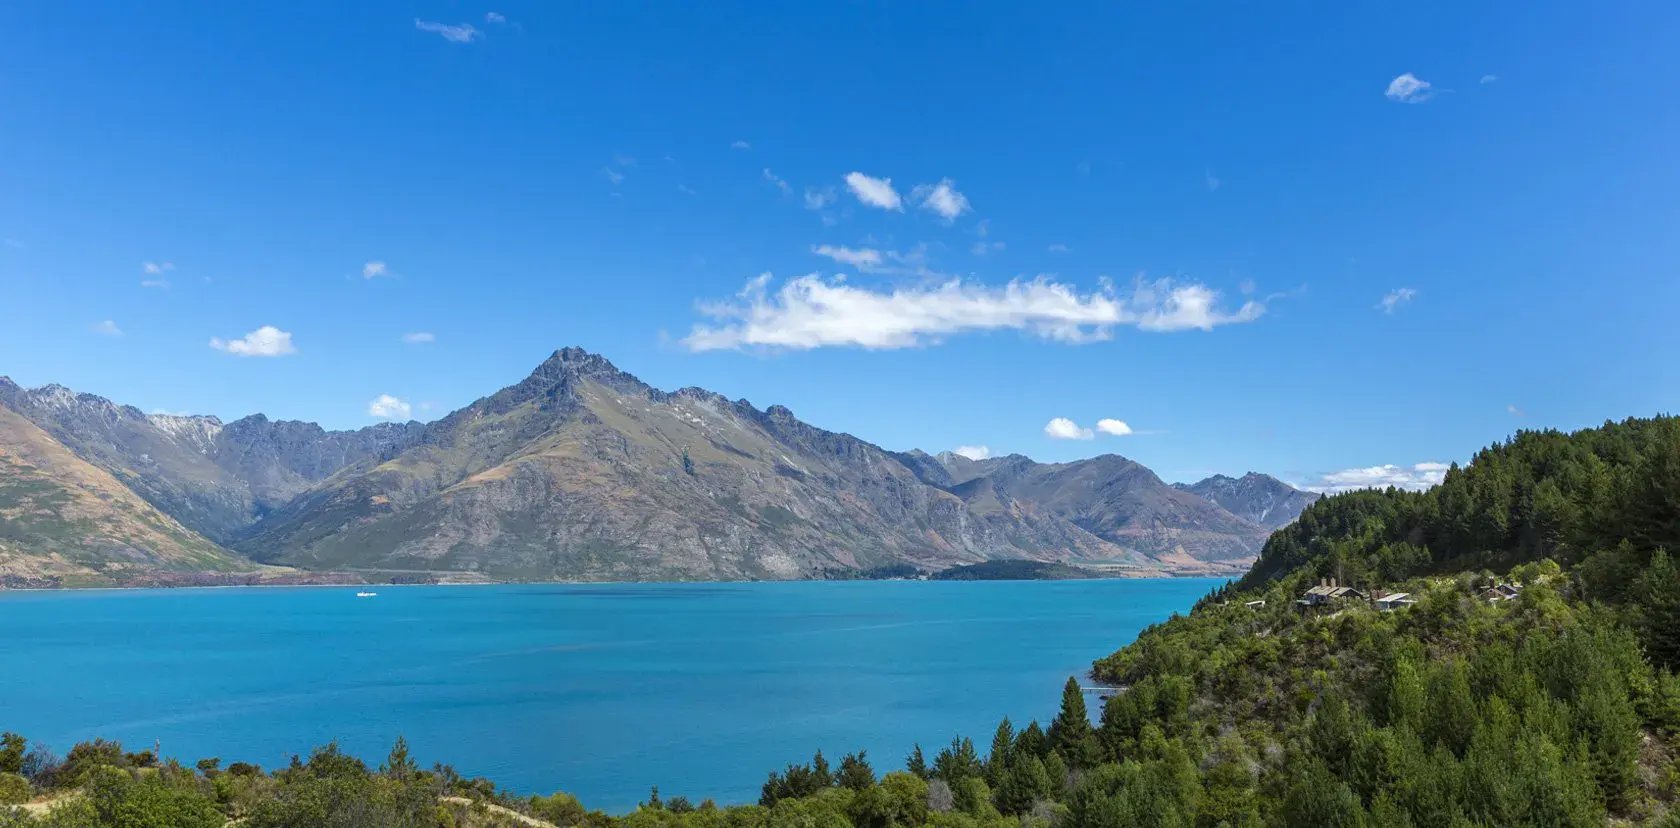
1256, 497
582, 471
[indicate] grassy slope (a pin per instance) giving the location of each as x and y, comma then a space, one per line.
64, 518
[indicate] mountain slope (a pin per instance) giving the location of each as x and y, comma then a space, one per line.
215, 479
583, 471
1109, 496
1258, 498
63, 519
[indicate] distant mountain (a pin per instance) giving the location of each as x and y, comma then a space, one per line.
582, 471
64, 520
215, 479
1116, 499
1259, 498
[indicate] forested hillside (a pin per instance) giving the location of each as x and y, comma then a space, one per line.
1526, 677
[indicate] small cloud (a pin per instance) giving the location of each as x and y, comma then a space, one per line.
375, 269
686, 190
1392, 300
1062, 428
981, 248
786, 188
612, 175
1417, 477
266, 341
155, 284
1210, 180
387, 407
1487, 79
156, 268
624, 160
942, 199
973, 452
452, 32
816, 199
14, 244
1058, 248
1408, 89
495, 17
1515, 411
107, 328
875, 192
740, 145
1083, 168
419, 337
1117, 428
862, 258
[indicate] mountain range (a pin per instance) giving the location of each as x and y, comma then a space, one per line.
579, 471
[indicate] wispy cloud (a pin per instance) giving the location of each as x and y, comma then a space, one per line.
740, 145
816, 199
687, 190
375, 269
452, 32
1058, 248
107, 328
156, 268
875, 192
14, 244
612, 175
266, 341
495, 17
1408, 88
419, 337
387, 407
1117, 428
1212, 181
1487, 79
813, 312
786, 188
973, 452
941, 199
1515, 411
155, 284
1062, 428
1417, 477
862, 258
982, 247
1392, 300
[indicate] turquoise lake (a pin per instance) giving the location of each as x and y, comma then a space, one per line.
599, 690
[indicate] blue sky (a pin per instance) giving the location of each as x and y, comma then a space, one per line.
1202, 209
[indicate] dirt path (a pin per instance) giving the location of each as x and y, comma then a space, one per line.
493, 808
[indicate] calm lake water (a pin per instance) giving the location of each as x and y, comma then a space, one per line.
600, 690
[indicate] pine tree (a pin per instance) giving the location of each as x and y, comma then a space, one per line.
915, 764
1071, 734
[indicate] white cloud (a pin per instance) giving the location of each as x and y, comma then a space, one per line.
942, 199
1058, 248
875, 192
1210, 180
158, 284
813, 312
981, 248
863, 258
495, 17
419, 337
156, 268
107, 328
266, 341
1117, 428
387, 407
1515, 411
973, 452
374, 270
452, 32
1408, 88
786, 188
1062, 428
816, 199
740, 145
1392, 300
1487, 79
612, 175
686, 190
1419, 476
